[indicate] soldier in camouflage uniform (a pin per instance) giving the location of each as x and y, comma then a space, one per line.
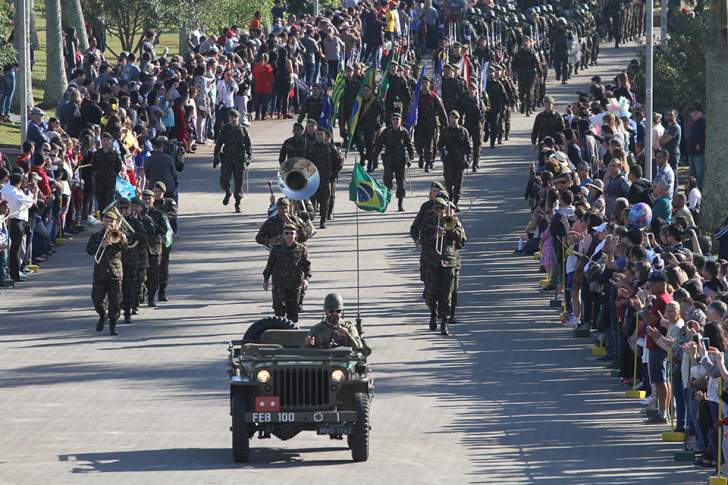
333, 331
334, 180
168, 207
454, 89
235, 156
398, 145
155, 245
130, 258
144, 225
309, 136
431, 116
294, 146
108, 273
290, 268
398, 93
527, 69
498, 99
351, 90
270, 232
473, 111
547, 123
328, 162
511, 105
454, 144
441, 268
371, 114
106, 165
313, 106
436, 190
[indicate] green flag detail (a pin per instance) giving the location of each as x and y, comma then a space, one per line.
366, 192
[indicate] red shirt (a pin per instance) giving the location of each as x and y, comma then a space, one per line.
263, 75
43, 184
658, 305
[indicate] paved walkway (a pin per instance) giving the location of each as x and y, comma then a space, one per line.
509, 398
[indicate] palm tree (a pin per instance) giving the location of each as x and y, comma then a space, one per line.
17, 43
56, 82
74, 15
715, 187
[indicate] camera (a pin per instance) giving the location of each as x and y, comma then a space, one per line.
696, 338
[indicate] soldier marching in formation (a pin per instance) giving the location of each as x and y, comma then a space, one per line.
454, 144
294, 146
398, 156
371, 116
431, 117
329, 163
168, 207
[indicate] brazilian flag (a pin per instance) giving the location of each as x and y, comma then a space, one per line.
366, 192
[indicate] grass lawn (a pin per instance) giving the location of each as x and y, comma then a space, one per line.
10, 133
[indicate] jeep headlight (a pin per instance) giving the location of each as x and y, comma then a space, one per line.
263, 376
338, 376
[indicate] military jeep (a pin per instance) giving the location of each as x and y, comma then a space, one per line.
280, 389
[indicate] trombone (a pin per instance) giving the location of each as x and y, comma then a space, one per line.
448, 223
112, 235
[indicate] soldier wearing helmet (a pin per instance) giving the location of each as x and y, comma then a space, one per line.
333, 331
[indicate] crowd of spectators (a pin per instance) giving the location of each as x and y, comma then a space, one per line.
652, 288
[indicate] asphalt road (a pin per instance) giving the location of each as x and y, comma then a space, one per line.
510, 397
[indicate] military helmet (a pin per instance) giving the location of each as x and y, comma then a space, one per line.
529, 11
502, 25
490, 15
549, 8
561, 21
470, 11
510, 7
513, 21
537, 9
334, 301
521, 17
477, 11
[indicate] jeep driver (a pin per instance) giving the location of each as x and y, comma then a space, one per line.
332, 331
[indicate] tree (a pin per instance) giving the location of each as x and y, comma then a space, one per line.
56, 82
74, 13
715, 187
678, 68
18, 43
127, 19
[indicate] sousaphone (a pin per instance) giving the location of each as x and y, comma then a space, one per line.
298, 178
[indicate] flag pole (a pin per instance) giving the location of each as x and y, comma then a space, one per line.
358, 312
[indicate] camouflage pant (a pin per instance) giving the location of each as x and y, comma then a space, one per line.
164, 267
426, 143
526, 85
476, 135
366, 141
440, 287
493, 119
129, 286
506, 117
390, 172
453, 181
236, 170
285, 302
153, 273
105, 195
332, 199
323, 197
99, 290
140, 282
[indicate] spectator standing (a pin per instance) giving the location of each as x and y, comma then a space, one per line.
72, 114
255, 23
665, 171
696, 145
18, 205
8, 88
147, 45
36, 130
615, 186
332, 45
159, 167
670, 141
311, 52
663, 204
657, 131
263, 77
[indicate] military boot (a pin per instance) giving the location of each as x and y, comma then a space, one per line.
433, 321
237, 206
443, 327
476, 166
162, 295
127, 316
455, 201
500, 140
400, 207
150, 300
369, 167
102, 319
112, 328
135, 311
522, 108
421, 163
427, 166
226, 200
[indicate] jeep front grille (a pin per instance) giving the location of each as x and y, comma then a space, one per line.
301, 387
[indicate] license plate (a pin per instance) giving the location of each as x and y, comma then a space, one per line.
339, 429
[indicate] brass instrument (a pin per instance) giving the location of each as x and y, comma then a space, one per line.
298, 178
112, 235
448, 223
124, 224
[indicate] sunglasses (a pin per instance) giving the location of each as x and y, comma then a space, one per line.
123, 207
334, 311
287, 233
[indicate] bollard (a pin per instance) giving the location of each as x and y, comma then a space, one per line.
719, 479
634, 393
672, 435
599, 351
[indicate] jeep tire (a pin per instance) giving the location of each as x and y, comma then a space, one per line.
255, 331
241, 437
359, 442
